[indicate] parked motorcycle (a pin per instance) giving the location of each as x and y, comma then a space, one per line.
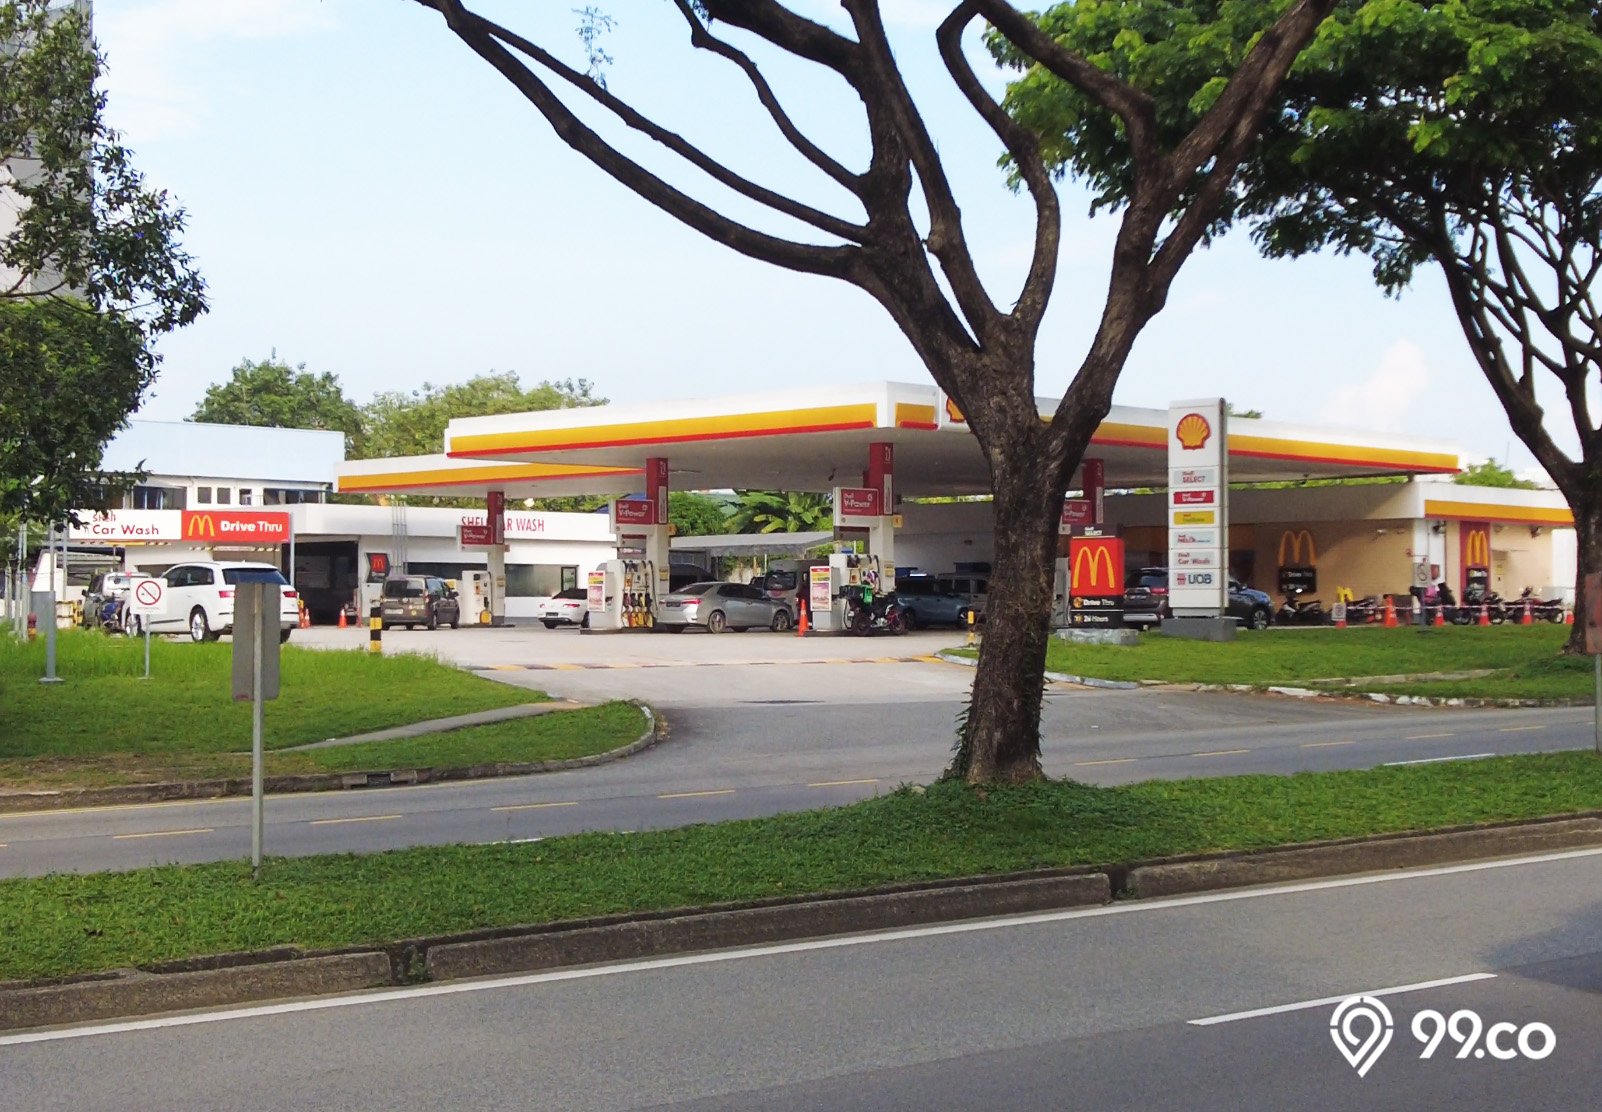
1294, 611
1476, 598
1541, 609
869, 612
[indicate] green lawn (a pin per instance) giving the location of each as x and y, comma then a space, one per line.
1525, 658
67, 924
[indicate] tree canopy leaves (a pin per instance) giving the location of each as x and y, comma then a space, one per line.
275, 394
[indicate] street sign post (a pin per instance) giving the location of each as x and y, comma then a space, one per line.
255, 677
144, 599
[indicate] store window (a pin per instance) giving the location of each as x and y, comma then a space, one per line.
203, 496
225, 496
158, 498
247, 496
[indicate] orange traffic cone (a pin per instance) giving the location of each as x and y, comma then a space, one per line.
1440, 616
801, 621
341, 617
1340, 615
1485, 614
1390, 612
1526, 619
1568, 617
305, 616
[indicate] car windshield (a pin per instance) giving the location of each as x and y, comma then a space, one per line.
573, 593
403, 588
1152, 579
254, 575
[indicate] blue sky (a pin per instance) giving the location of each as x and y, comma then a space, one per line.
367, 197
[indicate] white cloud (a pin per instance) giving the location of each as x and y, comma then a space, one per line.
1383, 400
156, 48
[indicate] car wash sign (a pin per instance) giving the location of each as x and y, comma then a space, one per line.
1198, 508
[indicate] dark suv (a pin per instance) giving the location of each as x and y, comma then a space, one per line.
1146, 601
414, 600
926, 601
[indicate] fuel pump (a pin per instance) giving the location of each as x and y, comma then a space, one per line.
623, 596
478, 597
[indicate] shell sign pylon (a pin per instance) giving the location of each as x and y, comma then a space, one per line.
1197, 508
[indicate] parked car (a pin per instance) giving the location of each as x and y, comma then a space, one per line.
926, 601
103, 588
569, 607
1146, 601
721, 606
199, 597
973, 588
420, 600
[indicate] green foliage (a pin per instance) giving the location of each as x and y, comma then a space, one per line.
274, 394
766, 511
1489, 473
86, 922
697, 515
413, 423
91, 273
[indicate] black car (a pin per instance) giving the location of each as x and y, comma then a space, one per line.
1146, 601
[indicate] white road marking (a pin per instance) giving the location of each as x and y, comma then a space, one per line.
972, 926
1324, 1000
163, 833
1437, 760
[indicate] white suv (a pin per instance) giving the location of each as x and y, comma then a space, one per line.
199, 597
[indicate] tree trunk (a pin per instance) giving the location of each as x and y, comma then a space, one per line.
1000, 741
1587, 509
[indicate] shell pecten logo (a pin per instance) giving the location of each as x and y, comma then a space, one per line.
1193, 431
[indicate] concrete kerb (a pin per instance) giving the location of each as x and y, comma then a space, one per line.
233, 979
69, 798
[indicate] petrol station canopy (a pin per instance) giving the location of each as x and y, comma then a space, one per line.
815, 439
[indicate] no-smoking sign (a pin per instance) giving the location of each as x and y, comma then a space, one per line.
146, 596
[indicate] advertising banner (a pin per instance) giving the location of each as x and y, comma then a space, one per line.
596, 592
129, 527
242, 527
1076, 513
821, 582
855, 502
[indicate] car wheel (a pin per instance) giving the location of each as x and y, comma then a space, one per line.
547, 624
198, 629
716, 622
1260, 618
283, 636
433, 622
781, 621
909, 619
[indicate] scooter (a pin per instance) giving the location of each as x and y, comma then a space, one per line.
1476, 597
867, 612
1295, 612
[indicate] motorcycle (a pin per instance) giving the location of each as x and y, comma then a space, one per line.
1541, 609
1476, 598
1293, 611
868, 612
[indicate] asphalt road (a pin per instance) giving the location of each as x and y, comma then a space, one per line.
1222, 1001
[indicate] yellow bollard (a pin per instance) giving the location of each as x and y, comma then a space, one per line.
972, 619
375, 630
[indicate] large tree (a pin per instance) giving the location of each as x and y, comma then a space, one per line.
274, 394
903, 242
91, 269
778, 511
1465, 135
413, 423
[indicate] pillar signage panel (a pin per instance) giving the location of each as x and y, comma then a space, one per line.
1093, 484
881, 474
1198, 507
1096, 584
634, 511
1076, 512
480, 535
855, 502
495, 512
656, 490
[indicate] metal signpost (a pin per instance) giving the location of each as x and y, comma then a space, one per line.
255, 675
1593, 643
144, 600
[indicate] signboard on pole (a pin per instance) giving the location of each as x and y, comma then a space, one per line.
1096, 586
856, 502
145, 597
1076, 513
1198, 507
475, 535
256, 625
634, 511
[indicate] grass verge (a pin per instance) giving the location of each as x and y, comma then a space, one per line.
106, 709
559, 735
1524, 660
67, 924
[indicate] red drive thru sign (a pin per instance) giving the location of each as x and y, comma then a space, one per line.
245, 527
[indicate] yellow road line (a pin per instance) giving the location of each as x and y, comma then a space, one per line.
840, 783
694, 795
1518, 729
1325, 744
534, 806
362, 818
115, 807
163, 833
1221, 753
1113, 761
1421, 737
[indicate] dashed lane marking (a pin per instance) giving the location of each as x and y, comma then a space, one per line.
609, 666
359, 818
163, 833
841, 783
1110, 761
695, 795
1421, 737
535, 806
1437, 760
1518, 729
1221, 753
1325, 744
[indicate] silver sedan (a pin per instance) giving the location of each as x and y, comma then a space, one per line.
721, 606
